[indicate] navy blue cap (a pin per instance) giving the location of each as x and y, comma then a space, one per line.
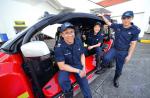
98, 23
128, 14
65, 26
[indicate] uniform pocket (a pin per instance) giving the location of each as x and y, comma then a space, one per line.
68, 57
128, 36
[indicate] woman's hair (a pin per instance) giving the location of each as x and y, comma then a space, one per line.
98, 23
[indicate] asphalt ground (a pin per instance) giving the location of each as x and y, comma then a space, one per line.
134, 82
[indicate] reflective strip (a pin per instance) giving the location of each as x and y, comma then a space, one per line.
24, 95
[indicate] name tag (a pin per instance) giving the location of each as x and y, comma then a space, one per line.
67, 53
129, 33
79, 49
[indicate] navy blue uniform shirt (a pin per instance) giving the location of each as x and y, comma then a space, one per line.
70, 54
94, 39
123, 36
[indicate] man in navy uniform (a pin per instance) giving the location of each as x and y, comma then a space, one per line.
69, 55
126, 36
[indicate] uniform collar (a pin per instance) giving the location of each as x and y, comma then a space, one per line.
67, 45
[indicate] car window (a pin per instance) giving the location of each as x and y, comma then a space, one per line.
47, 35
51, 30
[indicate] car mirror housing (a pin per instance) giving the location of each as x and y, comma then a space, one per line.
35, 49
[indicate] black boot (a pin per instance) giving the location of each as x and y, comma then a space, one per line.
99, 67
98, 64
101, 70
68, 94
98, 60
116, 80
111, 64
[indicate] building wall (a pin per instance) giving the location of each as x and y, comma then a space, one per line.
79, 5
138, 6
28, 10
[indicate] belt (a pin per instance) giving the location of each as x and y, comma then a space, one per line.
121, 49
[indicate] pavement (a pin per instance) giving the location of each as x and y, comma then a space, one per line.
134, 82
146, 36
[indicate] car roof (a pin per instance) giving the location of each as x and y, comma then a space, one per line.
85, 19
73, 17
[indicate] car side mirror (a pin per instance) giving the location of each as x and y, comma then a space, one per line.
35, 49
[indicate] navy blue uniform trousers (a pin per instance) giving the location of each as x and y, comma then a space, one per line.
65, 82
119, 56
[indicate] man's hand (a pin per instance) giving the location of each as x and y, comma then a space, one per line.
82, 73
90, 47
127, 59
84, 37
100, 15
84, 68
104, 18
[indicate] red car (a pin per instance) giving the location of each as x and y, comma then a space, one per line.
27, 65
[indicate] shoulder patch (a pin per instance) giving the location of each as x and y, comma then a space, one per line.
129, 33
118, 29
58, 45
